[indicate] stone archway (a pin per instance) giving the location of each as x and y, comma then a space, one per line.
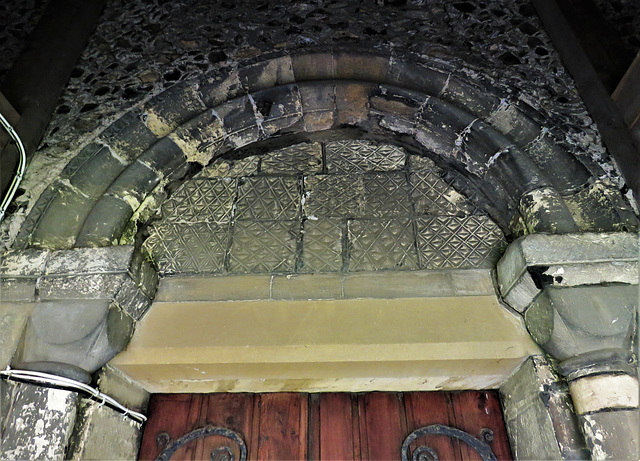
499, 146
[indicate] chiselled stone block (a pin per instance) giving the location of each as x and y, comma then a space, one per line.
264, 246
13, 319
322, 245
200, 138
386, 195
613, 434
268, 198
188, 248
538, 260
205, 200
128, 137
305, 158
362, 156
381, 244
333, 196
39, 423
539, 414
103, 433
241, 121
281, 115
460, 242
231, 168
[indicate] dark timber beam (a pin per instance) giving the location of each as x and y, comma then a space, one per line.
627, 95
38, 77
615, 134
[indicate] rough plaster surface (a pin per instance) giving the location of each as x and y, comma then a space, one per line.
141, 48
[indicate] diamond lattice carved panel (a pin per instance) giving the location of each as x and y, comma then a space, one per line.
386, 195
300, 158
450, 241
264, 246
184, 248
334, 196
207, 200
382, 244
322, 245
363, 156
268, 198
431, 195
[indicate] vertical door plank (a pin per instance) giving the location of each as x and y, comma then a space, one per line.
382, 415
313, 437
336, 427
283, 427
172, 414
230, 411
475, 410
428, 408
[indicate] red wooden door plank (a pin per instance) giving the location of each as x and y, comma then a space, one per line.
313, 436
172, 414
476, 410
382, 426
336, 427
230, 411
428, 408
283, 427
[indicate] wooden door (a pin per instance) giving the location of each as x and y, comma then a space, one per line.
282, 426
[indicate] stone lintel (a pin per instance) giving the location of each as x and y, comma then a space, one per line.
538, 260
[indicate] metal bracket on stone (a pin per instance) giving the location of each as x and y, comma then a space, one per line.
87, 301
578, 294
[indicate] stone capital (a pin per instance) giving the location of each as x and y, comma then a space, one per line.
84, 301
578, 294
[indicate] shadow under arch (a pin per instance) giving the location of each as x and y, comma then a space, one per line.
499, 144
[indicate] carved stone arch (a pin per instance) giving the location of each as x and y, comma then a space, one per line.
501, 145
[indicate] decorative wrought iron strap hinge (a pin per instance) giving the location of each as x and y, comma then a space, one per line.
223, 453
425, 453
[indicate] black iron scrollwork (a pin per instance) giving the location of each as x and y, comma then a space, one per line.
425, 453
219, 454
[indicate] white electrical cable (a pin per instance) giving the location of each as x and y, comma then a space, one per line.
22, 165
66, 383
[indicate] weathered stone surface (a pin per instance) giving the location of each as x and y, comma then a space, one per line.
322, 245
297, 159
268, 198
264, 246
607, 391
362, 156
116, 384
38, 424
13, 318
569, 322
613, 434
14, 289
231, 168
73, 336
539, 415
333, 196
102, 433
381, 244
523, 269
